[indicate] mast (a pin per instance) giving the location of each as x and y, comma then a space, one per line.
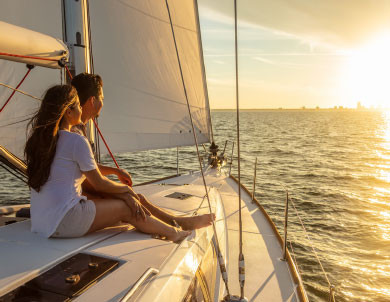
76, 36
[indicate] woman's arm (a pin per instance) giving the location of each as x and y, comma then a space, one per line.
102, 184
122, 175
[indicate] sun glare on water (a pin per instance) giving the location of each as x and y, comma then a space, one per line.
366, 78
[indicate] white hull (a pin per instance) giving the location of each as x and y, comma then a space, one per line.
172, 267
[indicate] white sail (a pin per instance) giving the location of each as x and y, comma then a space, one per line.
44, 17
134, 52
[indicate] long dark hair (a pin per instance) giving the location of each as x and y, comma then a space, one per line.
42, 141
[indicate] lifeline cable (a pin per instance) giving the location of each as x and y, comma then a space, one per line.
221, 260
311, 244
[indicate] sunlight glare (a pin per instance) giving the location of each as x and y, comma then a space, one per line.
367, 73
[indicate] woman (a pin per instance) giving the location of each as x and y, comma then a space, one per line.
58, 161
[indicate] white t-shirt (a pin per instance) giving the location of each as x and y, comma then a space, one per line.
63, 188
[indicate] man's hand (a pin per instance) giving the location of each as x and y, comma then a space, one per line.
124, 177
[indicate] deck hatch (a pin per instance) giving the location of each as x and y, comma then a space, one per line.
66, 280
179, 195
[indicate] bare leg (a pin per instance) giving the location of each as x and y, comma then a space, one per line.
111, 211
89, 191
187, 223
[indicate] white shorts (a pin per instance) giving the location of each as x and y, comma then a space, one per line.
77, 220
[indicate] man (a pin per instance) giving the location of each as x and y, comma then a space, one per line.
90, 91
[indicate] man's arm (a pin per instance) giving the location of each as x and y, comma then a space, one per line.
122, 175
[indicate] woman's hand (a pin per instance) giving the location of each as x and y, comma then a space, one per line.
124, 177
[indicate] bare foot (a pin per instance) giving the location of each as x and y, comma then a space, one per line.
178, 236
195, 222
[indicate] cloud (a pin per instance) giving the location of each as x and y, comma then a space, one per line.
343, 23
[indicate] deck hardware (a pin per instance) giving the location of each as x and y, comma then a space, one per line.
231, 160
93, 265
179, 195
331, 293
234, 298
254, 182
148, 274
224, 148
73, 279
285, 229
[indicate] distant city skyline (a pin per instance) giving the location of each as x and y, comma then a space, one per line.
301, 57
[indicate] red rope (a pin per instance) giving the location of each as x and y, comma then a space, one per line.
13, 92
27, 57
105, 143
69, 74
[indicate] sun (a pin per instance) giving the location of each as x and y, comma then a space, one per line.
366, 78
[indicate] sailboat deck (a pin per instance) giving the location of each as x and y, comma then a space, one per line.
267, 277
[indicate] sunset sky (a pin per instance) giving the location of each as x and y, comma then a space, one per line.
298, 53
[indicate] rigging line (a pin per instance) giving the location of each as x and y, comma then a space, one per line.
30, 67
220, 257
27, 57
20, 91
18, 122
68, 71
12, 172
241, 261
105, 143
311, 242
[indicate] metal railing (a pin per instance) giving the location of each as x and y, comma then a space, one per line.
285, 248
289, 200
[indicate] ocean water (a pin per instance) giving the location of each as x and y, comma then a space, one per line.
336, 167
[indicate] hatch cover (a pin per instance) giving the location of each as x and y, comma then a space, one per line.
179, 195
64, 281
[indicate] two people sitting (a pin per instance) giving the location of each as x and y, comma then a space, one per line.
70, 193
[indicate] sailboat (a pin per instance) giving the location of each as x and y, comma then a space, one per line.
149, 54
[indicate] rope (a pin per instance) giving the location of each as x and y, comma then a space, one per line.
311, 243
220, 257
241, 261
27, 57
68, 71
105, 143
20, 83
20, 91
